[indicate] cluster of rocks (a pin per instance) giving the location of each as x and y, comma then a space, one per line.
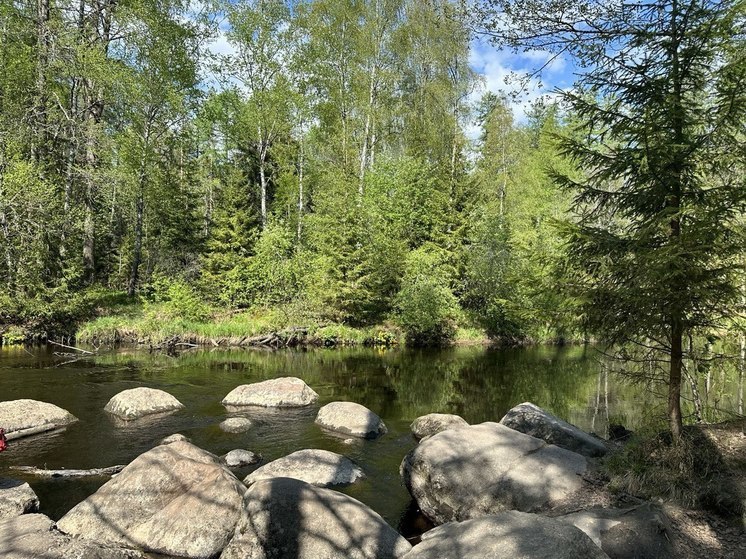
518, 488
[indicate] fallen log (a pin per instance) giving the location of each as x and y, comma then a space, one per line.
64, 473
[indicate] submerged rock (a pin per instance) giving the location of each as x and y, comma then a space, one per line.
236, 425
176, 437
507, 535
530, 419
484, 469
321, 468
16, 498
22, 418
239, 458
32, 536
175, 499
284, 392
138, 402
350, 418
433, 423
288, 518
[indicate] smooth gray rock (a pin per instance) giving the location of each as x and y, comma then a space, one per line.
175, 499
286, 518
484, 469
16, 498
239, 458
321, 468
32, 536
176, 437
236, 425
284, 392
530, 419
138, 402
507, 535
22, 418
641, 532
433, 423
350, 418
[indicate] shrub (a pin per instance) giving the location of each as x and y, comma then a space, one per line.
427, 308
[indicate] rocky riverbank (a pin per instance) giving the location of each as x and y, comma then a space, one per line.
529, 486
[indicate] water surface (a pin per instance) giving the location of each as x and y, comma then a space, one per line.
400, 385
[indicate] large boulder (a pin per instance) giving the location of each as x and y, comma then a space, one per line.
489, 468
16, 498
530, 419
175, 499
350, 418
288, 518
640, 532
507, 535
32, 536
21, 418
284, 392
317, 467
139, 402
433, 423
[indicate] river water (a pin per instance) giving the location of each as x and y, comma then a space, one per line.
477, 383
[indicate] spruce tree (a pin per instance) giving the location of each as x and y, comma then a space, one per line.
659, 108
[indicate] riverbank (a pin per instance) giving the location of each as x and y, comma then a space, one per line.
105, 319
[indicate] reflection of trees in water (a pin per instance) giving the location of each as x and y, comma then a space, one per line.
576, 383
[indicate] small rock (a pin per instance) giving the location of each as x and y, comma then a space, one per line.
433, 423
350, 418
236, 425
284, 392
321, 468
16, 498
239, 458
288, 518
530, 419
175, 438
138, 402
507, 535
22, 418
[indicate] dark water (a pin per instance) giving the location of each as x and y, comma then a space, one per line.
399, 385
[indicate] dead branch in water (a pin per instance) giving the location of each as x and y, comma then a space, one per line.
40, 472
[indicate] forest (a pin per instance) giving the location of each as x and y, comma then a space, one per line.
321, 171
322, 168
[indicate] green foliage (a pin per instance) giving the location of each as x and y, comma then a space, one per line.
427, 308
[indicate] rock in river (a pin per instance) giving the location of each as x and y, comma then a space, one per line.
433, 423
21, 418
317, 467
484, 469
32, 536
284, 518
284, 392
507, 535
236, 425
531, 419
350, 418
16, 498
175, 499
239, 458
139, 402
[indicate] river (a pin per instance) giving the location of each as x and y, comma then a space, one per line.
477, 383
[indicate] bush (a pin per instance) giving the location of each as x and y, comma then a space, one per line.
427, 308
181, 300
